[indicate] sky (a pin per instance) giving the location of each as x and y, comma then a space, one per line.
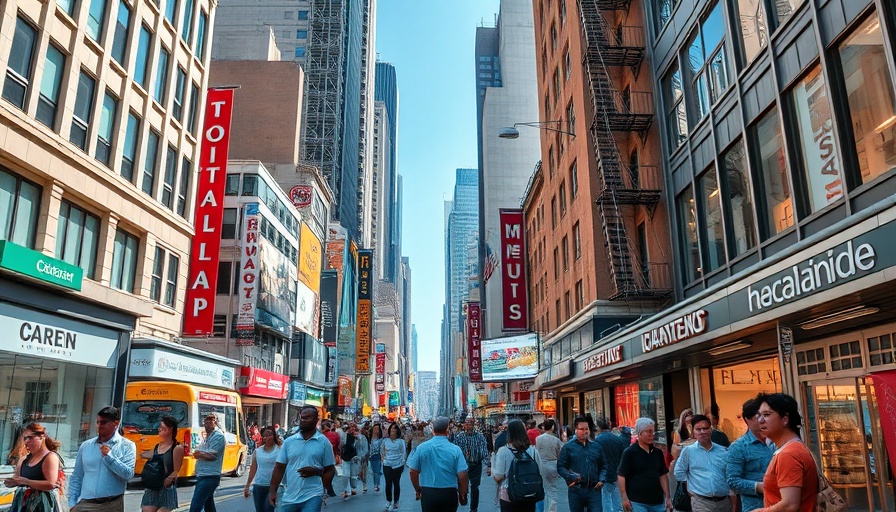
431, 45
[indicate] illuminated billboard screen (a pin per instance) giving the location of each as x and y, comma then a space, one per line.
510, 358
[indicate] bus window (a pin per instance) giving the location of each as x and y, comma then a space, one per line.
227, 423
143, 416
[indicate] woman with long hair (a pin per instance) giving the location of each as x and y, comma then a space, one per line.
264, 458
172, 452
393, 453
517, 443
791, 480
376, 459
37, 474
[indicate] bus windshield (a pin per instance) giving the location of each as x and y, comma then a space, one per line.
143, 416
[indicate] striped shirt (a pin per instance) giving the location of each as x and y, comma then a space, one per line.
474, 447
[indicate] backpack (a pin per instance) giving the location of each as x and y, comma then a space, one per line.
524, 484
153, 475
348, 449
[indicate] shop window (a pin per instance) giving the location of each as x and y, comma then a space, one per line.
642, 399
880, 349
37, 394
687, 232
77, 237
19, 209
713, 236
845, 356
773, 185
872, 104
732, 385
739, 203
753, 30
810, 362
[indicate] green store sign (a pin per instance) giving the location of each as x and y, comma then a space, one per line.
39, 266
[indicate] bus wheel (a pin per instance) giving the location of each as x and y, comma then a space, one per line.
240, 469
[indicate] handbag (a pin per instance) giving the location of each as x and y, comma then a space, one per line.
827, 499
682, 500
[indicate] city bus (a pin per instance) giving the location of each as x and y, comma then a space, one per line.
147, 401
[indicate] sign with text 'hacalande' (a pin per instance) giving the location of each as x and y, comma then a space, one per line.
515, 307
199, 312
474, 341
365, 312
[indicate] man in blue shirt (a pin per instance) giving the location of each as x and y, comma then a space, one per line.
702, 466
748, 458
309, 465
439, 471
104, 465
612, 445
582, 465
209, 459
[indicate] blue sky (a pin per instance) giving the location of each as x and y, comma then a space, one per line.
431, 44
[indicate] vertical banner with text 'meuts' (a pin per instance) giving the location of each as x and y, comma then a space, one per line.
514, 288
365, 312
474, 341
199, 310
885, 393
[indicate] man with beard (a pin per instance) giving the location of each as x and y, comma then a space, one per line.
307, 459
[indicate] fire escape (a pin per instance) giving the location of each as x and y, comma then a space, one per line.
624, 187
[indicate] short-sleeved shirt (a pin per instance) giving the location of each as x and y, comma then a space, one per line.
438, 461
505, 457
264, 462
642, 470
214, 443
791, 466
297, 453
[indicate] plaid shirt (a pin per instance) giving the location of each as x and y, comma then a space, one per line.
474, 447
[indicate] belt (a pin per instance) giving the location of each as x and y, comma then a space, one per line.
100, 501
711, 498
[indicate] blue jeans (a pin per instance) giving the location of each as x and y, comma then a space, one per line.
260, 497
376, 468
310, 505
643, 507
612, 500
204, 494
582, 498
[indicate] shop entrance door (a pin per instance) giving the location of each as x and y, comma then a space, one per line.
844, 433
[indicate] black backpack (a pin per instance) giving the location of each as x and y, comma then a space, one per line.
348, 449
524, 482
153, 475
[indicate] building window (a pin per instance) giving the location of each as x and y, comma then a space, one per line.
872, 106
565, 243
194, 108
225, 273
186, 29
232, 185
49, 87
77, 237
821, 168
149, 163
739, 205
95, 19
576, 241
580, 295
140, 74
250, 185
83, 110
554, 38
300, 52
554, 212
774, 187
129, 148
158, 269
200, 38
574, 180
171, 11
180, 85
784, 10
664, 10
557, 85
708, 64
562, 13
556, 263
568, 60
167, 197
124, 261
676, 112
562, 194
170, 278
571, 117
303, 15
301, 34
122, 28
19, 209
66, 5
687, 227
186, 170
18, 72
754, 33
161, 76
568, 303
229, 229
107, 122
557, 312
712, 234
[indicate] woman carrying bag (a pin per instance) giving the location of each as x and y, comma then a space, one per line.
164, 499
37, 482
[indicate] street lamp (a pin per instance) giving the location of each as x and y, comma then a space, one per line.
510, 132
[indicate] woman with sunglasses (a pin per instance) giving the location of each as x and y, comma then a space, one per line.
37, 474
172, 452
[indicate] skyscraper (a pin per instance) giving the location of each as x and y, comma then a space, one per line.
386, 91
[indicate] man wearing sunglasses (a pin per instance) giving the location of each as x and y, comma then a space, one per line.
104, 465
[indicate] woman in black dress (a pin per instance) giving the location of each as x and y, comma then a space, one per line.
37, 474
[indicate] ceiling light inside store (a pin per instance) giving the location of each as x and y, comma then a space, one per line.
613, 378
840, 316
730, 347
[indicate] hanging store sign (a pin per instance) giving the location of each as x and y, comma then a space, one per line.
515, 306
310, 258
248, 283
365, 307
677, 330
263, 383
300, 195
474, 341
329, 305
603, 358
206, 244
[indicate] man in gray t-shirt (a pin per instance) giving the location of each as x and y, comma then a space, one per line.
209, 457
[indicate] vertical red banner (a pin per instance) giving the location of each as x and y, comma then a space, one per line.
885, 394
515, 307
474, 341
199, 308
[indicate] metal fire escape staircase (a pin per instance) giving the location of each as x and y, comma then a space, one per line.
622, 186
